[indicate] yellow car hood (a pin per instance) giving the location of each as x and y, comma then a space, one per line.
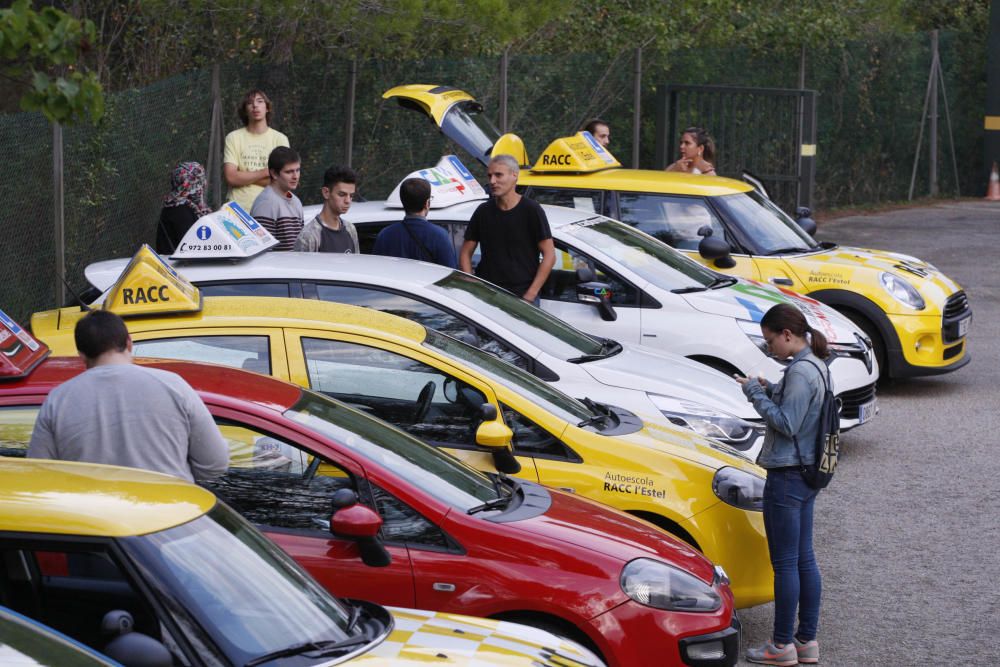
843, 265
427, 637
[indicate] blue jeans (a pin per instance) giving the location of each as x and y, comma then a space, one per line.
788, 522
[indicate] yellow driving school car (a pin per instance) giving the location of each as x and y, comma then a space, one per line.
916, 317
481, 409
152, 570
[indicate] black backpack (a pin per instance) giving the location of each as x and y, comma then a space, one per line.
827, 446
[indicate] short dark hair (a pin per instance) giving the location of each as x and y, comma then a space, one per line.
339, 173
247, 99
100, 331
280, 157
592, 124
414, 193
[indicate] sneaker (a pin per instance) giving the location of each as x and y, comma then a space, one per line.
769, 654
808, 651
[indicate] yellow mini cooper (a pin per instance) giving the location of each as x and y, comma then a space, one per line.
916, 317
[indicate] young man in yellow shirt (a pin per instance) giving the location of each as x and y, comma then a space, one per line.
247, 150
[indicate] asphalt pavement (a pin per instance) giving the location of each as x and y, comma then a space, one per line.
907, 535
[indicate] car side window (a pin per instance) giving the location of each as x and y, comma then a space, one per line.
673, 220
530, 439
562, 282
367, 233
16, 424
420, 399
274, 483
71, 586
249, 352
430, 316
278, 289
402, 523
590, 201
426, 314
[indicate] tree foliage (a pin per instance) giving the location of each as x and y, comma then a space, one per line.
40, 51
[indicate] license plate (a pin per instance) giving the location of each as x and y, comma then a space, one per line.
963, 326
867, 411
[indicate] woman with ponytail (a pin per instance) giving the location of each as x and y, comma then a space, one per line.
791, 410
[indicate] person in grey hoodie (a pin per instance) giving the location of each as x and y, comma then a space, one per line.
119, 413
328, 231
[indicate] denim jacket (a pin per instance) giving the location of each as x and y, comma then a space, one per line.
790, 407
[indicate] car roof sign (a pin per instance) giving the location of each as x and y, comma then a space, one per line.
229, 233
148, 286
19, 351
577, 154
451, 183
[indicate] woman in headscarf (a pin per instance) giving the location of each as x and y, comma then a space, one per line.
182, 207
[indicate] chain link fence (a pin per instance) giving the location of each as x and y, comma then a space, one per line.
870, 102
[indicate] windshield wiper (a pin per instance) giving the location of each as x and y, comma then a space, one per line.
723, 281
500, 482
321, 648
609, 348
688, 290
601, 414
788, 251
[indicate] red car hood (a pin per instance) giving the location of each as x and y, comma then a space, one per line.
596, 527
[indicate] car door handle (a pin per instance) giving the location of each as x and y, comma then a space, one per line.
787, 282
443, 587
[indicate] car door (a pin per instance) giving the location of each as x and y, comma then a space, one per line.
677, 220
439, 405
559, 297
284, 481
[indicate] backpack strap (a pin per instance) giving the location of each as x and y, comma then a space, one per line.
427, 253
826, 388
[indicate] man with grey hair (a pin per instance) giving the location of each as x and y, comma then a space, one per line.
513, 232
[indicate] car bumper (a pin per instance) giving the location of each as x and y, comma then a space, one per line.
740, 548
925, 346
639, 636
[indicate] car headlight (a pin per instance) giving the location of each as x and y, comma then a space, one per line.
703, 420
901, 290
739, 488
753, 332
656, 584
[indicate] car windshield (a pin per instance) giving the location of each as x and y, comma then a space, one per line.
467, 125
640, 253
548, 332
443, 476
765, 225
537, 391
238, 586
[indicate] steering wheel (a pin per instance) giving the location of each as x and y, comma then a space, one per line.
424, 401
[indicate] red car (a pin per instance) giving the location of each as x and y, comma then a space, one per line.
338, 489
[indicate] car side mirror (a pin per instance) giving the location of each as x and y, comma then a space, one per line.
130, 648
352, 520
497, 437
803, 215
589, 290
715, 249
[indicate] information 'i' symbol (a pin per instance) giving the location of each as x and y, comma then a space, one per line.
204, 233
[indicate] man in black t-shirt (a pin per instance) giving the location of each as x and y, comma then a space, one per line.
513, 232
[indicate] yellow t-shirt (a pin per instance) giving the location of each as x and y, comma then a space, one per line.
249, 152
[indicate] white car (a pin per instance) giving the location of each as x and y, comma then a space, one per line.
616, 282
657, 385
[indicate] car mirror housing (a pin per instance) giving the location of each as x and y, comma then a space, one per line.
717, 250
803, 215
354, 521
497, 437
132, 648
599, 295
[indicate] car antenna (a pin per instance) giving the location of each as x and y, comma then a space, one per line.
83, 306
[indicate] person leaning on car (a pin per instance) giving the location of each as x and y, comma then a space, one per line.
513, 232
328, 231
415, 237
119, 413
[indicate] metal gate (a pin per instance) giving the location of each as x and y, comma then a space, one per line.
769, 132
